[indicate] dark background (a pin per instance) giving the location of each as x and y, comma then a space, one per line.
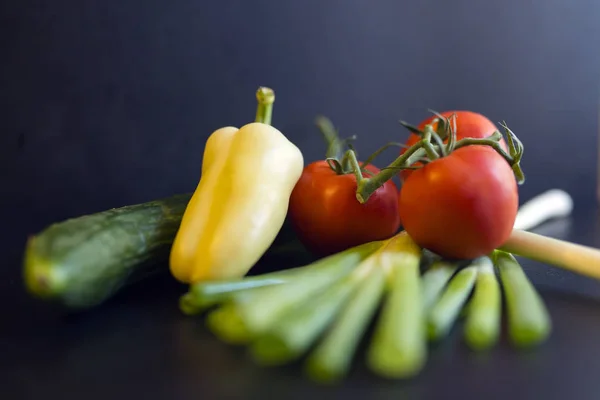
108, 103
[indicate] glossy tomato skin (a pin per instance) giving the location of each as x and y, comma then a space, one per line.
461, 206
327, 216
469, 124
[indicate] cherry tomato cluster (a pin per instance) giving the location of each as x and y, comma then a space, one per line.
461, 205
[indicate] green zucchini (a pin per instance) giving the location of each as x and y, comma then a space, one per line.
81, 262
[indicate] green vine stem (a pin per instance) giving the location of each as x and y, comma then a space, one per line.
335, 146
352, 160
380, 150
425, 150
332, 139
264, 112
341, 156
444, 129
335, 165
427, 146
368, 186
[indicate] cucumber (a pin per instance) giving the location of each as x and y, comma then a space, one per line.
81, 262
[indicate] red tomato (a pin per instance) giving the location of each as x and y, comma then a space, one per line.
461, 206
327, 216
468, 125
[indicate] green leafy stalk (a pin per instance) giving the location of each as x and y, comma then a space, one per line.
445, 312
399, 346
262, 309
246, 313
206, 294
331, 360
300, 327
482, 326
434, 280
528, 319
226, 324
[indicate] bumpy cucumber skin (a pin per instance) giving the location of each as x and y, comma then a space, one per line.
83, 261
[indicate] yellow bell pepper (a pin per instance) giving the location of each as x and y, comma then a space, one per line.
241, 201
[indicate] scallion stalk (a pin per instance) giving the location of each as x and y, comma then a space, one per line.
434, 280
331, 359
574, 257
206, 294
528, 319
263, 309
399, 345
444, 313
300, 327
227, 325
482, 326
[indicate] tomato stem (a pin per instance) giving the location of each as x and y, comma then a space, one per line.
335, 165
429, 149
264, 111
443, 129
367, 186
355, 166
515, 149
412, 128
335, 146
380, 150
451, 135
330, 134
439, 144
424, 147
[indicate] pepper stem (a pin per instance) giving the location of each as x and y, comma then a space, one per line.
264, 111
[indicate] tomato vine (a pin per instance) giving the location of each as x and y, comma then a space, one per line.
431, 147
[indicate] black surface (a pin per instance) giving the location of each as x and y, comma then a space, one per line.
108, 103
140, 344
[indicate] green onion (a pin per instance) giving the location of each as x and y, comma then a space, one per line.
262, 309
528, 319
445, 311
227, 325
434, 280
299, 328
331, 360
206, 294
482, 326
399, 345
